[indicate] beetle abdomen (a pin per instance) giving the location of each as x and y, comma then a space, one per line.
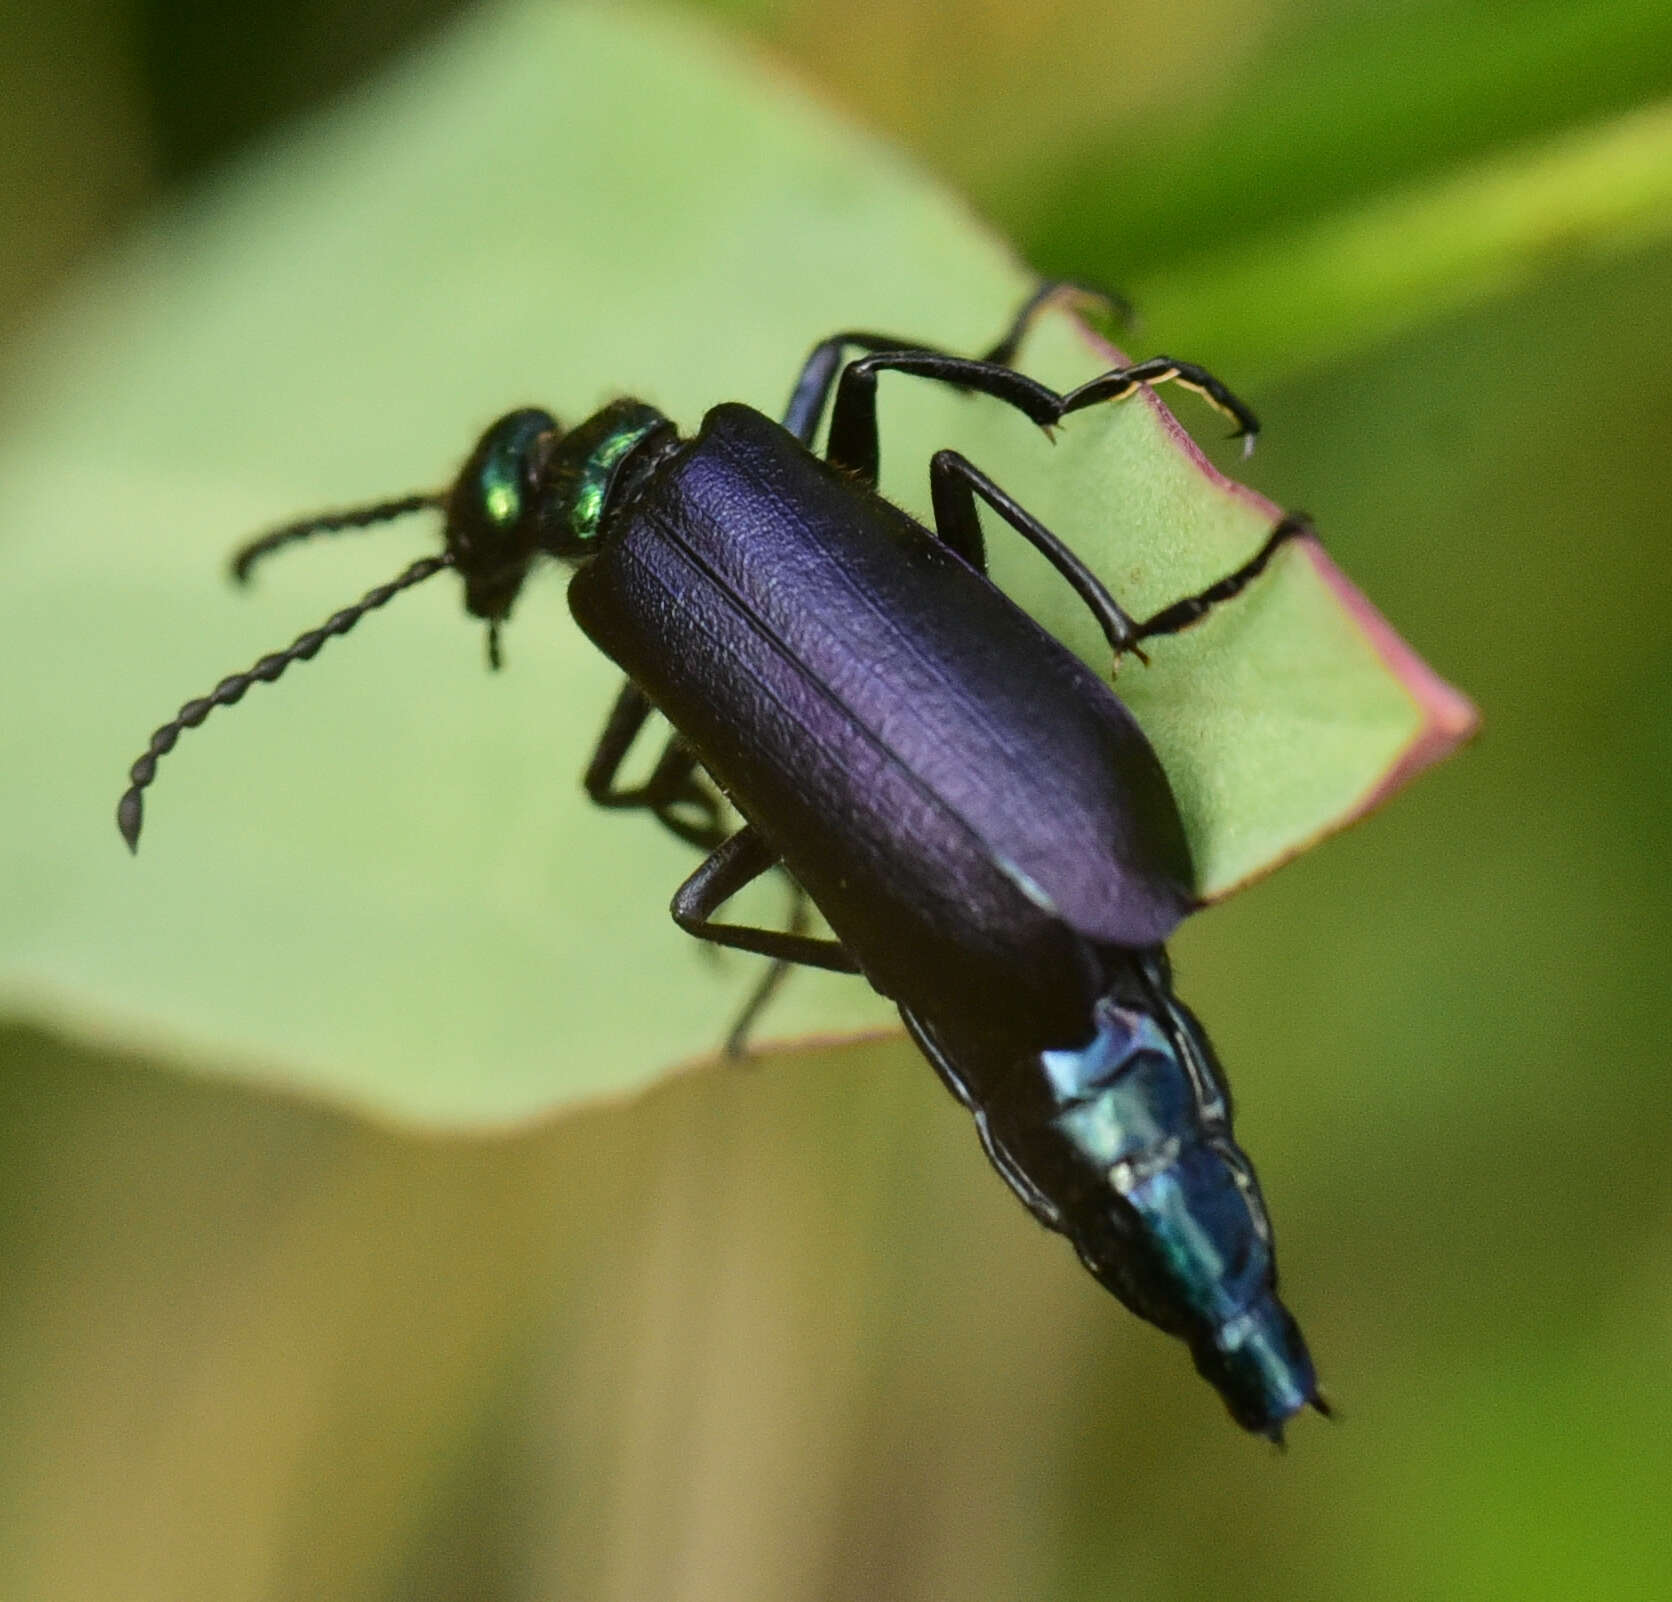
1124, 1145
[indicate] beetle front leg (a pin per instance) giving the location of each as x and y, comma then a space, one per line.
824, 362
738, 862
818, 375
853, 419
677, 781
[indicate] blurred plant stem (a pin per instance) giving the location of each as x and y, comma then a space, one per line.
1346, 283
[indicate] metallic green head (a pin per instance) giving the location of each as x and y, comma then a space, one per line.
528, 489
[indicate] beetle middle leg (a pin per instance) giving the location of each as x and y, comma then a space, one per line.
677, 793
1049, 293
737, 1038
954, 483
1193, 608
678, 785
737, 862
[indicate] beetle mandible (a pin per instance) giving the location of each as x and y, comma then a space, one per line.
988, 835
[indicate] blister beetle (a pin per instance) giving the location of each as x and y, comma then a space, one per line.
988, 835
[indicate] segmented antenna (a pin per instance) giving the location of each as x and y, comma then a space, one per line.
246, 556
130, 810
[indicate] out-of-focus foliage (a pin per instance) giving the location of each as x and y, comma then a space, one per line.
782, 1335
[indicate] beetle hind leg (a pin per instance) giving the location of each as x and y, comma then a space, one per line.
737, 1038
1026, 1191
738, 862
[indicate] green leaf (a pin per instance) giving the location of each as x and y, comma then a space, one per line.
381, 884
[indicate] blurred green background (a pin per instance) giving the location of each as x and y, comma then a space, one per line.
780, 1334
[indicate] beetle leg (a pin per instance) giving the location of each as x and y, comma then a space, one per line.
954, 483
824, 362
1049, 292
737, 1040
852, 443
1123, 381
853, 419
1027, 1192
1181, 614
676, 784
676, 781
818, 375
737, 862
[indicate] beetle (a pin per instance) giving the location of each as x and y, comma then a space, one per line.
977, 817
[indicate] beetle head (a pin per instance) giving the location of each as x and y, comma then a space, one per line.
528, 489
494, 510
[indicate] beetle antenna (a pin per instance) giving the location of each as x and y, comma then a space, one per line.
130, 810
246, 556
